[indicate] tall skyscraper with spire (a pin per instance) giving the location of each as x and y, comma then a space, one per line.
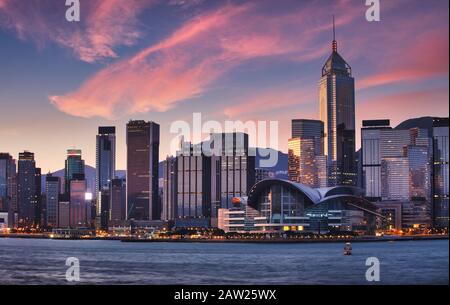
337, 111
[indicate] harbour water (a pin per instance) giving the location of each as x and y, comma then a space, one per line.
42, 261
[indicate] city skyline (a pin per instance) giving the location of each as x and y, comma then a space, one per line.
275, 73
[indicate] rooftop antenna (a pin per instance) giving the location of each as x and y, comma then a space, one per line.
334, 44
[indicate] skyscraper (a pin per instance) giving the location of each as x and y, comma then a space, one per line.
7, 179
440, 172
193, 188
232, 170
170, 174
309, 129
80, 208
52, 187
372, 133
396, 165
74, 166
105, 162
105, 157
142, 170
117, 202
40, 209
337, 111
306, 162
27, 190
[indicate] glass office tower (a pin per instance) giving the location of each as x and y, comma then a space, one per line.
142, 171
52, 187
105, 157
27, 190
74, 166
337, 111
440, 172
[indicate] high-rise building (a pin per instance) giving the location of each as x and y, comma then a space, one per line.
301, 166
379, 142
74, 166
105, 173
337, 111
309, 129
142, 170
395, 178
117, 202
193, 196
27, 191
102, 210
170, 174
105, 157
7, 179
396, 165
40, 208
232, 170
63, 211
306, 162
80, 207
52, 188
440, 172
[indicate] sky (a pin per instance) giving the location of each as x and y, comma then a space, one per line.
161, 61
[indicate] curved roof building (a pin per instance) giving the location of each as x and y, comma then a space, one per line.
290, 206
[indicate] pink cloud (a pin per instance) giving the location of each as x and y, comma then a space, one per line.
424, 57
184, 64
104, 25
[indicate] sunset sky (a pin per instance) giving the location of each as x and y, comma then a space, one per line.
239, 60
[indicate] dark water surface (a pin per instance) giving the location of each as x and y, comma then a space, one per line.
42, 261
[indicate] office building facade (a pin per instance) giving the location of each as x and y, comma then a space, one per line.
27, 190
117, 203
105, 163
337, 112
440, 172
7, 179
142, 171
52, 192
232, 170
396, 165
74, 166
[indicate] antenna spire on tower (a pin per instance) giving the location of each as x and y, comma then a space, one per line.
334, 44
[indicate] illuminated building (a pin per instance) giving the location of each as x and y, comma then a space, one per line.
232, 170
105, 162
440, 172
392, 214
337, 112
142, 171
396, 165
239, 218
74, 166
27, 190
64, 211
117, 202
105, 157
284, 205
193, 196
52, 187
8, 186
80, 206
170, 175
